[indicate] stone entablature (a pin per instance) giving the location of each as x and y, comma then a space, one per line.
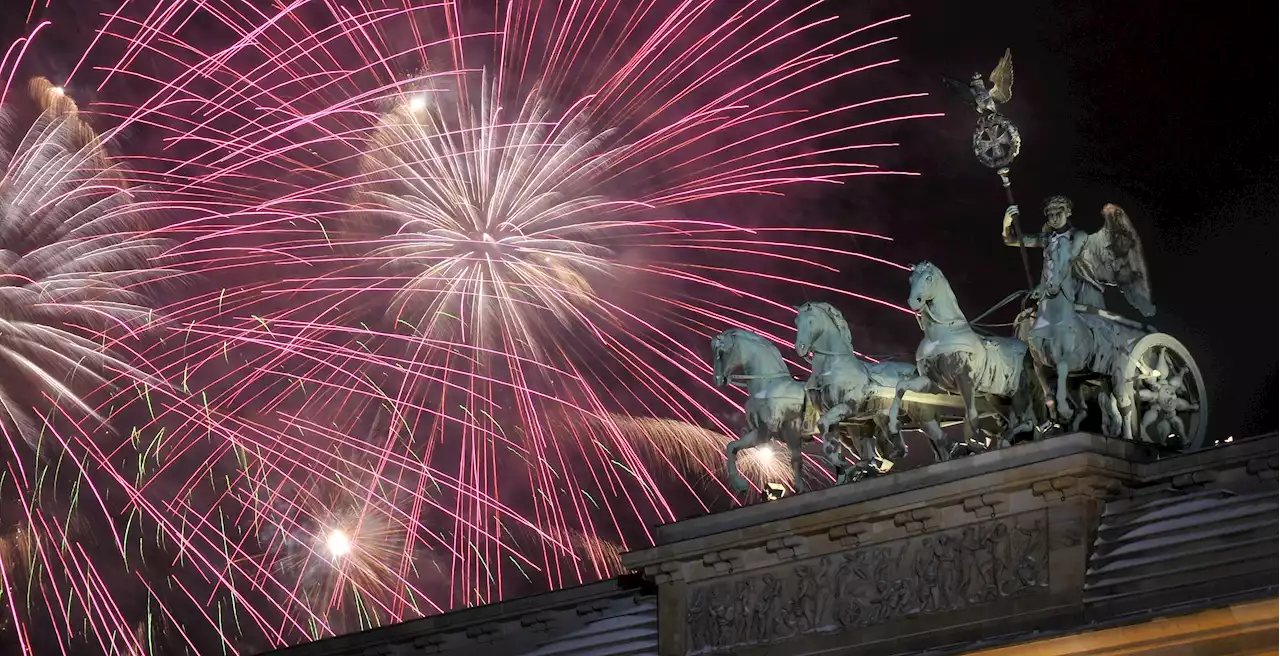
996, 544
1077, 544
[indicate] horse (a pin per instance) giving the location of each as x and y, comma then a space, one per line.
847, 387
777, 406
1070, 341
957, 359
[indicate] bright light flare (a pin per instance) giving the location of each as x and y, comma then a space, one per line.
338, 543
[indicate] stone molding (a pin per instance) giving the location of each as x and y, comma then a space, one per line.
743, 580
929, 499
507, 628
1245, 629
914, 576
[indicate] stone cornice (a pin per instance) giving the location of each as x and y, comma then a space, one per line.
1256, 453
478, 628
892, 507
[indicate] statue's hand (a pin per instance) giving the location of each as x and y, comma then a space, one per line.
1009, 214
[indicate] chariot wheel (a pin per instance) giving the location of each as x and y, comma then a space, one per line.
1170, 407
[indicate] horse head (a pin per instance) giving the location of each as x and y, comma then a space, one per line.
1057, 277
924, 279
816, 320
721, 350
727, 354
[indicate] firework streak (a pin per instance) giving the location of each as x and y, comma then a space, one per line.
430, 294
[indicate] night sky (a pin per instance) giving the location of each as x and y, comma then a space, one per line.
1168, 112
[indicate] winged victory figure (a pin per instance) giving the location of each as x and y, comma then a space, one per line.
1113, 256
1110, 257
977, 94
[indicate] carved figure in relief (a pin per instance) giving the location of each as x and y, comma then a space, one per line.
698, 620
805, 608
773, 621
923, 575
851, 579
724, 617
946, 555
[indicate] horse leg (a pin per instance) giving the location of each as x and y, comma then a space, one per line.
1123, 392
1110, 414
941, 450
891, 449
831, 439
1046, 393
1021, 417
917, 384
965, 382
797, 460
893, 438
1064, 404
895, 408
749, 439
1082, 409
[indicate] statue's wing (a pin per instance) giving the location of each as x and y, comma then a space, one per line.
1113, 256
1002, 79
961, 90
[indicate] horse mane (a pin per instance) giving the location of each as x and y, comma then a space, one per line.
758, 340
836, 318
921, 268
749, 335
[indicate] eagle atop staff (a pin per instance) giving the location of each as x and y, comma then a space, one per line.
979, 96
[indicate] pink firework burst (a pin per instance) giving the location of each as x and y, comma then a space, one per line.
448, 258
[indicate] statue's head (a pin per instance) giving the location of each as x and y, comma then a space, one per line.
976, 80
1057, 211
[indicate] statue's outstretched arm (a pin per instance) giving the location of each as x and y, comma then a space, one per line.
1010, 235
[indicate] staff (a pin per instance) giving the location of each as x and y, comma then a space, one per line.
996, 141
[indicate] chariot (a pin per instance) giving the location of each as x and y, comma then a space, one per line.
1068, 359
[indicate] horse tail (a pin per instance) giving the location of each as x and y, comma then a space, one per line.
808, 414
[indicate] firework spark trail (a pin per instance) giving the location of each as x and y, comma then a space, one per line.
457, 275
75, 259
482, 211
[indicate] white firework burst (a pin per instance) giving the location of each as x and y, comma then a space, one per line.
71, 261
492, 211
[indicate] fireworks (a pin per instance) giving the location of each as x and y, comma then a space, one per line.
74, 263
448, 279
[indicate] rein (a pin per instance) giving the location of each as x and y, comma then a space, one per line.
736, 379
924, 310
782, 374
